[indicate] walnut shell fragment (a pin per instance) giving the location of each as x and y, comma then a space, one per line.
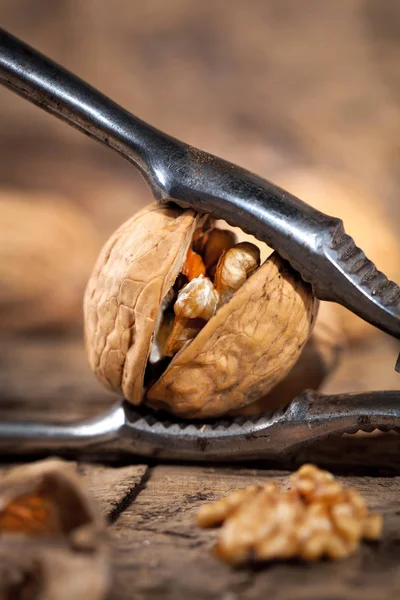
52, 535
317, 518
233, 350
319, 359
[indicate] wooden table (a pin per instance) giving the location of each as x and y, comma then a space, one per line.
158, 551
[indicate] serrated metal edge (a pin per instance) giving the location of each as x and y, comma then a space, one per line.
146, 419
363, 271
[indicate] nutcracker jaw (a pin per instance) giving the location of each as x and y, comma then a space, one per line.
136, 431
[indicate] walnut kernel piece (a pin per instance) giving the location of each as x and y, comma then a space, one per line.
194, 265
316, 518
216, 513
217, 242
32, 514
234, 268
196, 301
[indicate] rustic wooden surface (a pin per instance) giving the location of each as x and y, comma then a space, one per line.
157, 550
272, 86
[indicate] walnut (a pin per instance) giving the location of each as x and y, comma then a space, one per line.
168, 324
52, 535
317, 517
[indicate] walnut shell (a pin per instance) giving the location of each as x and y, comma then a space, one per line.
241, 353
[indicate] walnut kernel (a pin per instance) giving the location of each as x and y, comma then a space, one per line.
316, 518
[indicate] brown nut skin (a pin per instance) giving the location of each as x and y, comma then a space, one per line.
241, 353
134, 271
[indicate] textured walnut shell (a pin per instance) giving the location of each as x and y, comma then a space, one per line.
318, 360
241, 353
47, 250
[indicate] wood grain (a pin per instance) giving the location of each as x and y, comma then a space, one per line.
113, 487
